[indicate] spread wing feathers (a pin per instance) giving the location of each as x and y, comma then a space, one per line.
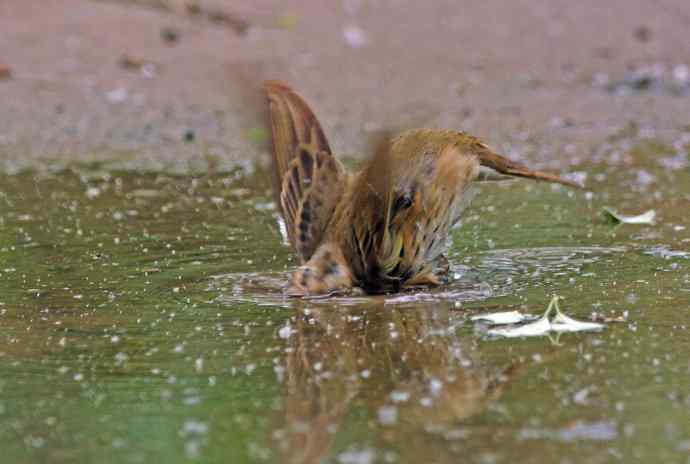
293, 124
308, 180
312, 187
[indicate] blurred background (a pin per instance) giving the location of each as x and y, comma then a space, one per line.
173, 84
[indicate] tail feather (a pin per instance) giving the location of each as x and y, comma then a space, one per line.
505, 166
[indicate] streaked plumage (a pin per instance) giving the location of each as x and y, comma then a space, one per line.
385, 227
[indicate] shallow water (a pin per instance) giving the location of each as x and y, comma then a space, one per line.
141, 319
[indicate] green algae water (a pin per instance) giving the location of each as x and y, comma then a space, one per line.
142, 320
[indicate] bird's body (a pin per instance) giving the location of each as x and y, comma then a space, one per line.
385, 227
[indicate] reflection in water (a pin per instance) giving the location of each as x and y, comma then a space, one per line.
405, 364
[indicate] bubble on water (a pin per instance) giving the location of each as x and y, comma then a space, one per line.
199, 364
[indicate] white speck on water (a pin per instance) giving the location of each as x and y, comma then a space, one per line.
399, 396
118, 443
435, 386
426, 402
194, 427
285, 331
78, 377
645, 177
191, 401
354, 37
121, 357
249, 368
355, 456
36, 442
192, 449
365, 373
178, 349
115, 339
388, 415
280, 372
580, 397
199, 364
92, 192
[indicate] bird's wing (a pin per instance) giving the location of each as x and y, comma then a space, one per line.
308, 180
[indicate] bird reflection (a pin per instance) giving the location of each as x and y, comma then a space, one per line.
403, 366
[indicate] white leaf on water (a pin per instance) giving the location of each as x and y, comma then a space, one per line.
647, 217
506, 317
540, 327
563, 323
544, 325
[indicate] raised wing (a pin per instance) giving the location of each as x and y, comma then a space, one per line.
308, 180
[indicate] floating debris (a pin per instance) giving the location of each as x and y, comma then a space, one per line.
542, 326
502, 318
613, 216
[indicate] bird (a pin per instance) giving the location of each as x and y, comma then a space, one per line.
385, 228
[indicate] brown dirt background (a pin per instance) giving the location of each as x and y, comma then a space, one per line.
520, 74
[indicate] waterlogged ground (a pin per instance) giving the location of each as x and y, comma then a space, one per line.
141, 320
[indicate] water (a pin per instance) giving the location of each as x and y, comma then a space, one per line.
141, 319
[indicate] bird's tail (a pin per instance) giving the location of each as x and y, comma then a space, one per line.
503, 165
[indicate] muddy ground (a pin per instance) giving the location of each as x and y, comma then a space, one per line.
173, 84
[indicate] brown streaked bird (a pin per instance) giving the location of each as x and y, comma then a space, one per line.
385, 227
